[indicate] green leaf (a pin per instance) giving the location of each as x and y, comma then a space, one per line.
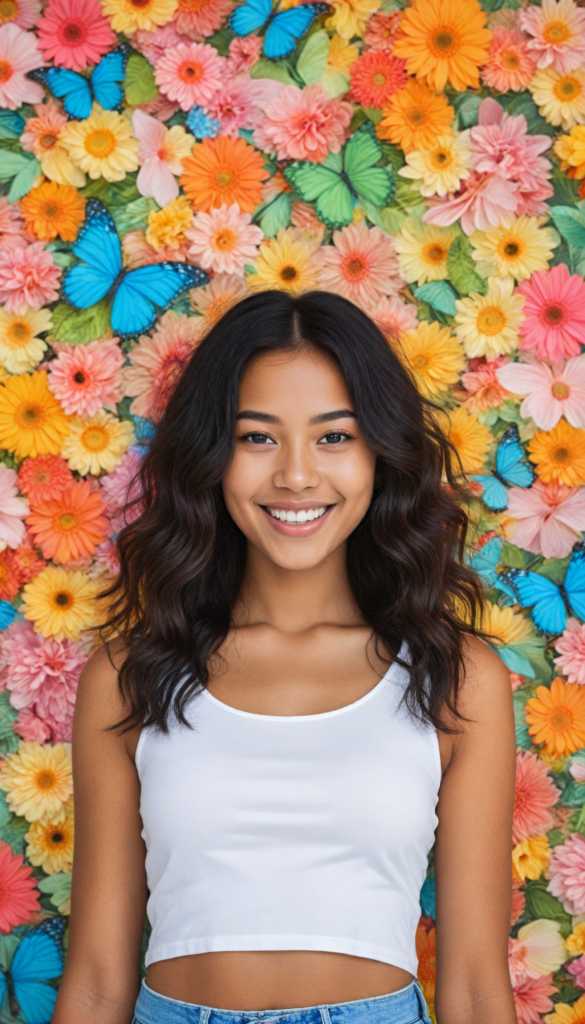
221, 40
79, 326
439, 295
134, 216
523, 738
392, 155
566, 190
571, 224
13, 163
466, 109
116, 193
512, 557
13, 833
11, 124
59, 888
574, 794
265, 68
276, 215
24, 180
540, 903
313, 57
139, 84
522, 103
386, 218
460, 268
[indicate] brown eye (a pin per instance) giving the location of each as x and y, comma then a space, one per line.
257, 438
335, 437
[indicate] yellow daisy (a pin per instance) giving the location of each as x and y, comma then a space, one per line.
128, 15
559, 454
517, 250
443, 167
168, 226
435, 357
530, 858
341, 56
60, 603
38, 780
423, 251
565, 1013
487, 325
21, 349
31, 420
559, 98
504, 625
97, 443
575, 942
349, 17
288, 262
470, 438
103, 145
570, 150
50, 845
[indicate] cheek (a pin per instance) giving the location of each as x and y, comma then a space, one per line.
242, 480
353, 477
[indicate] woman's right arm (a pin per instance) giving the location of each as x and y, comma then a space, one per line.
108, 902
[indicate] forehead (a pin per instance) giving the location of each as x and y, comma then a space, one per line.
301, 380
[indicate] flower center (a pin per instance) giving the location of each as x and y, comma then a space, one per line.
444, 41
224, 177
510, 60
560, 390
416, 116
29, 417
511, 249
19, 333
45, 779
66, 521
5, 71
440, 158
57, 837
48, 140
421, 362
556, 32
490, 320
553, 314
79, 377
100, 143
561, 719
379, 78
72, 33
561, 454
567, 88
225, 239
42, 476
140, 3
95, 439
355, 267
8, 11
289, 273
63, 599
190, 71
435, 253
51, 210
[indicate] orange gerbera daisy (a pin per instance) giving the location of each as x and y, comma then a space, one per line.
10, 579
556, 717
52, 210
559, 454
224, 170
71, 525
415, 117
444, 41
375, 77
426, 951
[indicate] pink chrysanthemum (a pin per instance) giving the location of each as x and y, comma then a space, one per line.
157, 362
12, 510
40, 673
394, 317
532, 998
31, 728
42, 478
24, 13
12, 229
19, 891
381, 30
74, 33
190, 74
304, 124
535, 795
122, 487
518, 900
566, 873
360, 265
241, 103
577, 969
550, 517
481, 381
224, 240
571, 646
483, 202
554, 313
196, 18
510, 65
18, 56
83, 378
245, 51
28, 278
153, 44
558, 34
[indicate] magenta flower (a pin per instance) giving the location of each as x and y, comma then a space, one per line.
28, 276
551, 392
550, 517
18, 56
571, 646
554, 313
566, 873
190, 74
304, 124
74, 33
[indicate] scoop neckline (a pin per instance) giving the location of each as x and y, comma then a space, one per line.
321, 714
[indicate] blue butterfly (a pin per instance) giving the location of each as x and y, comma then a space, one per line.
78, 92
135, 292
510, 469
38, 959
551, 602
281, 29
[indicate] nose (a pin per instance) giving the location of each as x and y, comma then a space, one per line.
297, 467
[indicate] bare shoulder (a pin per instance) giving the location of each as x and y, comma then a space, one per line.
99, 703
485, 695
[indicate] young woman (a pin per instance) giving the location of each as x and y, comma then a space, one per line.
293, 675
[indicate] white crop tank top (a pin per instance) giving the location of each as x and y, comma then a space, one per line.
277, 832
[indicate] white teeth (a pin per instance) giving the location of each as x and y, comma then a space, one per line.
304, 515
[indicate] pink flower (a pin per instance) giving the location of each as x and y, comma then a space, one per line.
550, 517
18, 55
12, 510
83, 378
483, 202
224, 240
138, 253
12, 230
360, 265
518, 901
572, 650
24, 13
74, 33
154, 44
566, 873
30, 727
535, 795
203, 18
481, 381
577, 969
241, 103
28, 277
558, 34
303, 216
304, 124
19, 890
157, 362
394, 317
245, 51
161, 153
121, 487
554, 313
190, 74
381, 30
552, 392
532, 998
510, 64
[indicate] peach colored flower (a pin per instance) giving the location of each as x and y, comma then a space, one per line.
156, 363
190, 74
535, 795
28, 278
304, 124
224, 240
360, 265
572, 650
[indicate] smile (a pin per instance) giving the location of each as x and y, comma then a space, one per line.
304, 515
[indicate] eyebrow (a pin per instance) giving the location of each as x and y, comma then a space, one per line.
324, 417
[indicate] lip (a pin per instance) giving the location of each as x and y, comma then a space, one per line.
296, 529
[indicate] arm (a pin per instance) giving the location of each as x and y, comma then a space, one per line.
108, 902
473, 852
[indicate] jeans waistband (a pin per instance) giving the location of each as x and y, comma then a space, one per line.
405, 1006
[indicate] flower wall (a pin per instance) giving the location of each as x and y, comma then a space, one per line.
160, 159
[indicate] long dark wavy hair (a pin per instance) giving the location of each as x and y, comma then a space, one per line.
182, 559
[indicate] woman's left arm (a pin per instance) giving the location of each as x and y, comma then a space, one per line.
473, 864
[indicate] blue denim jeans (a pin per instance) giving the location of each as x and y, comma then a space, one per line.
405, 1006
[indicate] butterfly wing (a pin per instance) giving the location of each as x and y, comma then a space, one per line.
99, 247
323, 186
361, 154
68, 86
575, 581
486, 559
287, 27
541, 595
250, 16
83, 286
141, 290
510, 462
38, 958
495, 495
107, 77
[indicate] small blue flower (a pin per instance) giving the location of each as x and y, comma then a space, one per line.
145, 431
7, 613
203, 127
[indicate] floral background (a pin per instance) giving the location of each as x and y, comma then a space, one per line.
473, 266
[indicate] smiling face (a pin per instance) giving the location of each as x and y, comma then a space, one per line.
302, 475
